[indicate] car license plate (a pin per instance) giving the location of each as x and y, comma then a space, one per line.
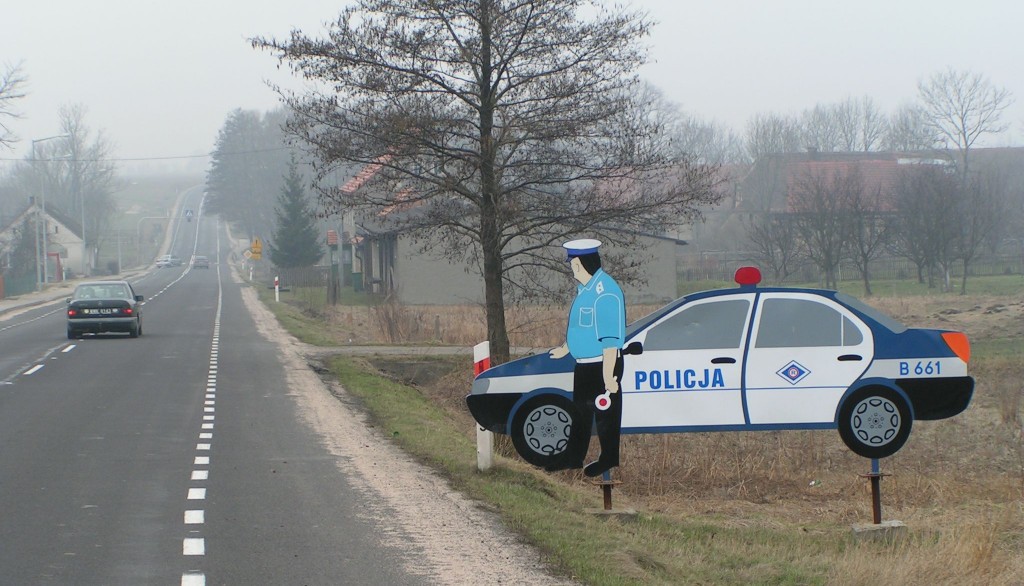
102, 311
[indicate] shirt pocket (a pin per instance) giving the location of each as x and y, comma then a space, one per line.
586, 317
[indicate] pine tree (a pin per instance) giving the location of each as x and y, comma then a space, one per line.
296, 241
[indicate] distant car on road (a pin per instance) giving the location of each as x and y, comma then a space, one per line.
200, 262
104, 306
747, 359
168, 260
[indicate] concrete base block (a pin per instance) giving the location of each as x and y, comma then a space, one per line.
884, 531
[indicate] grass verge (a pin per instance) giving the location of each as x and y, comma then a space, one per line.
737, 508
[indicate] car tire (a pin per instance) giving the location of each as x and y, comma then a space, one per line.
541, 427
875, 421
71, 334
134, 330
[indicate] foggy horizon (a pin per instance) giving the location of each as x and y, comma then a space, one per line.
160, 80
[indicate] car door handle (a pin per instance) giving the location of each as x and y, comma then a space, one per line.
850, 358
723, 360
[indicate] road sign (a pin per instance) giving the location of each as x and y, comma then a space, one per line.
257, 246
247, 254
188, 213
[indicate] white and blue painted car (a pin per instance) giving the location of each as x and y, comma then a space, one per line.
746, 359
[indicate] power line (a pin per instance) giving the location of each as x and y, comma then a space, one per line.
137, 159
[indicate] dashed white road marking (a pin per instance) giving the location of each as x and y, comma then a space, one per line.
69, 348
193, 546
196, 546
33, 370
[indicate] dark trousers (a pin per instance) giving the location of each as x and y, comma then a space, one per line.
587, 384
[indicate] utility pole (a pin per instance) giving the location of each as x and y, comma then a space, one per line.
42, 197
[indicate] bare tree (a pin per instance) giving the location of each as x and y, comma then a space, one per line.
508, 126
770, 133
871, 225
820, 209
768, 137
961, 107
90, 175
775, 242
821, 128
12, 82
927, 200
907, 130
981, 212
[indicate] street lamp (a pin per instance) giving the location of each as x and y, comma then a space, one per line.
42, 197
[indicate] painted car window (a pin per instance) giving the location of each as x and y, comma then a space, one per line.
705, 326
805, 323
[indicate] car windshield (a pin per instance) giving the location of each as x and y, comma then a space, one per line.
103, 291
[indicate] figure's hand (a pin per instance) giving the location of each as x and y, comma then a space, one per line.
612, 387
559, 352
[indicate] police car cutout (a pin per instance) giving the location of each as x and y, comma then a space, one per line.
746, 359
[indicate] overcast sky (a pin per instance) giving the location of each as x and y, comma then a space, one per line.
159, 78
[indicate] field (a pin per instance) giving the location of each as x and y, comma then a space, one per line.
727, 508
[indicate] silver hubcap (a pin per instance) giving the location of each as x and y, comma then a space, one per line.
875, 421
547, 429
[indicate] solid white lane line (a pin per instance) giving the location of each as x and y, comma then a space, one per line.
197, 494
33, 370
193, 546
195, 517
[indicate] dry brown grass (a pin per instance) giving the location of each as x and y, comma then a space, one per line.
958, 484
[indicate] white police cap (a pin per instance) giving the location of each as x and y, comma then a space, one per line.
574, 248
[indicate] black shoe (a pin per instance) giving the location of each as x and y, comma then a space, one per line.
598, 467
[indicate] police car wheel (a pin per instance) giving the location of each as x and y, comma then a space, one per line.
875, 422
541, 427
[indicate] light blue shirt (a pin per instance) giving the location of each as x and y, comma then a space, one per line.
597, 319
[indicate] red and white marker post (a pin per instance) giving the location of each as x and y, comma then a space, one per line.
484, 438
277, 288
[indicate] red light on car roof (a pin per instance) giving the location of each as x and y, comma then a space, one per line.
747, 276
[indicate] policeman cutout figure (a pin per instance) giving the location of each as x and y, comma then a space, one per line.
594, 337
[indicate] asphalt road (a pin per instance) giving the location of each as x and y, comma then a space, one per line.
174, 458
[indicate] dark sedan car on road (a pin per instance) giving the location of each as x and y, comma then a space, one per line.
104, 306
